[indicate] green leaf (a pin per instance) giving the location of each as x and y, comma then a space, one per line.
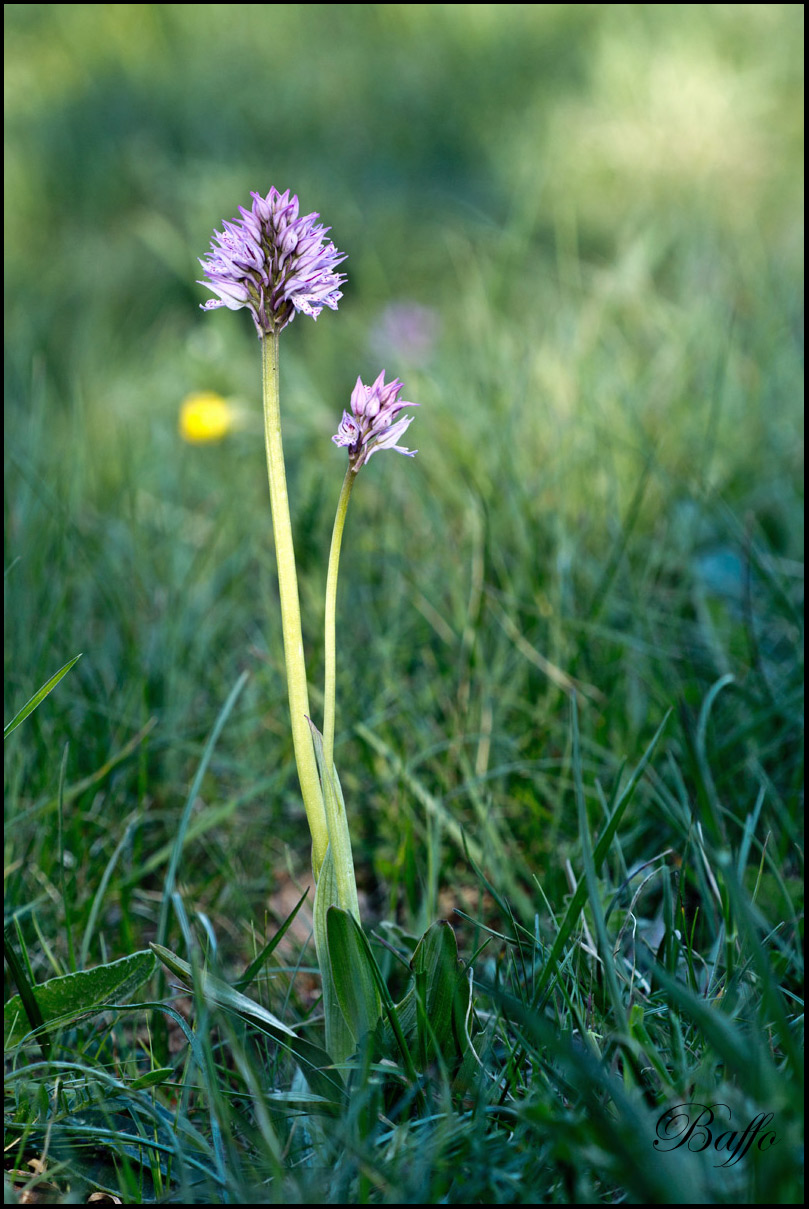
352, 973
339, 837
442, 994
389, 1007
39, 696
339, 1040
62, 1000
316, 1063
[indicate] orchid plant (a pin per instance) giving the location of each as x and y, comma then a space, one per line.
277, 264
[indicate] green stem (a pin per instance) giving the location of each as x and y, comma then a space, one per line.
331, 624
290, 606
339, 834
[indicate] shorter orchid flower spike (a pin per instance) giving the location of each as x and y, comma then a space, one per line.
372, 423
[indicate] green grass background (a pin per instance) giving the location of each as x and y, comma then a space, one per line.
602, 207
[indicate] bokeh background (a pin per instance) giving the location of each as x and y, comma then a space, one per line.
575, 232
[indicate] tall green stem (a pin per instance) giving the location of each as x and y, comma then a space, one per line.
290, 606
331, 623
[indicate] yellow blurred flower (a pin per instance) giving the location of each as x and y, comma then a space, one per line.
206, 417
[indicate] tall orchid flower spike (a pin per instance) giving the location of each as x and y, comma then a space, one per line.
273, 262
372, 423
278, 264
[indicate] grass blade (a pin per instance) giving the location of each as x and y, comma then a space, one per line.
39, 696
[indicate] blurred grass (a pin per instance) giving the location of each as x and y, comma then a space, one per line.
602, 205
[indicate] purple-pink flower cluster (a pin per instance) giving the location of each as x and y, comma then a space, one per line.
273, 262
372, 423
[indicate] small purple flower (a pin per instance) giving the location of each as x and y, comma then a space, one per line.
274, 263
374, 425
406, 331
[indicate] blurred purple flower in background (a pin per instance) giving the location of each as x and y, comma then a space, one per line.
274, 263
406, 331
373, 424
